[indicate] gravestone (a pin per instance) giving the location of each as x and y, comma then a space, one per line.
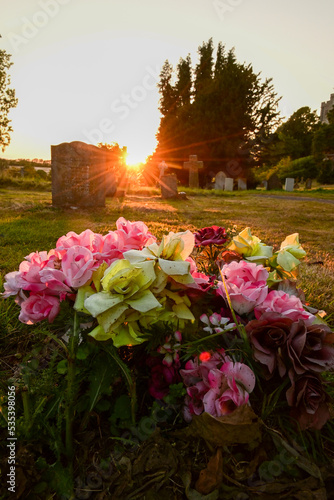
274, 182
264, 184
220, 180
168, 186
78, 173
229, 184
308, 184
289, 184
193, 166
242, 184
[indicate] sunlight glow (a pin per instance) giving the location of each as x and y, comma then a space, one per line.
134, 160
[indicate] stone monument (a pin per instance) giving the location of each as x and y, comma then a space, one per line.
193, 166
168, 186
229, 181
274, 182
220, 180
289, 184
242, 184
78, 173
308, 184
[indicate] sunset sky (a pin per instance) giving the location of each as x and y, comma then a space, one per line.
87, 70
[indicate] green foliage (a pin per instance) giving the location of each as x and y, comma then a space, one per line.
294, 137
7, 99
301, 168
323, 150
221, 111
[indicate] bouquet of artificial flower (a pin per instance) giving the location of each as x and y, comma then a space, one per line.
236, 316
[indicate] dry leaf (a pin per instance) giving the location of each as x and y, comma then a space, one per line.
240, 426
211, 477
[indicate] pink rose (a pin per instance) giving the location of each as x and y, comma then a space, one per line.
29, 277
289, 306
112, 247
78, 265
54, 280
11, 285
134, 235
87, 239
38, 307
246, 284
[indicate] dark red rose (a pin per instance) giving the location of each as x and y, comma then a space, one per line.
213, 235
310, 348
268, 337
309, 401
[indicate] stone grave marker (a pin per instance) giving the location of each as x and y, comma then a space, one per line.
78, 173
220, 180
168, 186
242, 184
308, 184
193, 164
289, 184
229, 184
274, 182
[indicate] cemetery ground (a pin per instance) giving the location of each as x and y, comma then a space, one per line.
29, 223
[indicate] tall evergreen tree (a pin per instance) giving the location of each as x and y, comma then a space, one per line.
220, 111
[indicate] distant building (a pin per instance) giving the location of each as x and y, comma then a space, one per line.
325, 107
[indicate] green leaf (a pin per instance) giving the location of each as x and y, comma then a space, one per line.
83, 351
102, 375
62, 367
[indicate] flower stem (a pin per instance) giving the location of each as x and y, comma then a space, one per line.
71, 358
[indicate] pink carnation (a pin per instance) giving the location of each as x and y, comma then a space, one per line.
39, 307
78, 265
289, 306
246, 284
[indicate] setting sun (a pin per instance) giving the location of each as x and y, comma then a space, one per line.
134, 160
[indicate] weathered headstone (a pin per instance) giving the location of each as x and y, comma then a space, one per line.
193, 164
274, 182
289, 184
242, 184
79, 174
229, 184
308, 184
264, 184
168, 186
220, 180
